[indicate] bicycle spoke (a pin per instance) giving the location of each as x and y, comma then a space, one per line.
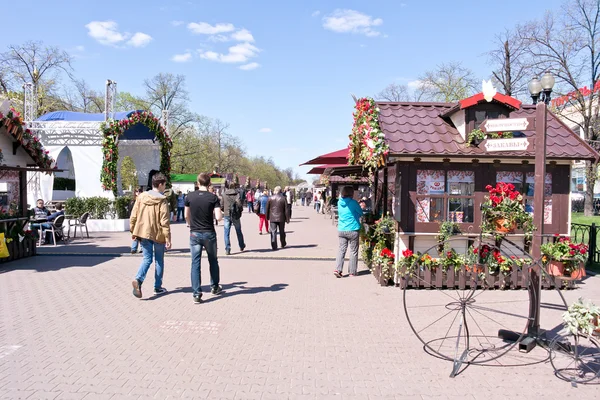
499, 312
437, 320
446, 335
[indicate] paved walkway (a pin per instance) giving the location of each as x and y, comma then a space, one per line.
283, 329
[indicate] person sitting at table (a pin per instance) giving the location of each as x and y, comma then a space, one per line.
59, 211
40, 218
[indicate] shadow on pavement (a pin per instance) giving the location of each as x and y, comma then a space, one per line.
269, 250
229, 289
47, 264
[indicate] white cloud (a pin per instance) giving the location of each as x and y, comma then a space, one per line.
139, 39
250, 66
414, 84
316, 13
180, 58
351, 21
265, 130
202, 28
219, 38
243, 35
107, 33
239, 53
177, 23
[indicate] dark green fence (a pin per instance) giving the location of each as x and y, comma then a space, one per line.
581, 233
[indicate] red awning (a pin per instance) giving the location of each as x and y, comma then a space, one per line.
321, 168
336, 157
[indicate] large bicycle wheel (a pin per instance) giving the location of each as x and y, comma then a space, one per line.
575, 358
463, 325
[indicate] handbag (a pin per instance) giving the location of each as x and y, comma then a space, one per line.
256, 207
3, 249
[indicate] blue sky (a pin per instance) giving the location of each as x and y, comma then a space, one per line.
279, 72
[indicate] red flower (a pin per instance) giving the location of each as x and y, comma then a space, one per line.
407, 253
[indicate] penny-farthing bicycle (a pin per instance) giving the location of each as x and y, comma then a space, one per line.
465, 317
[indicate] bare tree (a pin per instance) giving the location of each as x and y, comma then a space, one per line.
83, 98
569, 47
36, 63
166, 91
511, 62
447, 83
394, 92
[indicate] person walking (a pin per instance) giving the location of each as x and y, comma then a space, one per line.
288, 199
149, 222
171, 201
202, 208
277, 216
135, 244
232, 213
180, 206
262, 220
302, 197
349, 213
250, 200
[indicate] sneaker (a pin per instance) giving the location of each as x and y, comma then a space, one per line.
352, 275
337, 274
217, 290
137, 288
197, 298
133, 251
227, 252
160, 290
242, 248
260, 233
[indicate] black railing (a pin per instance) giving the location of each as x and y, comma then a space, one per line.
582, 233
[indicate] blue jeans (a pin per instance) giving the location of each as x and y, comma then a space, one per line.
134, 245
180, 212
149, 249
250, 206
198, 241
228, 221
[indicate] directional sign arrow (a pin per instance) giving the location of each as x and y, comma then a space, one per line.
508, 124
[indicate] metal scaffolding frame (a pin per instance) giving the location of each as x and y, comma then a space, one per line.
73, 133
109, 99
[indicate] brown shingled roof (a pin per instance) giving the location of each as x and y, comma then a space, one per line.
417, 129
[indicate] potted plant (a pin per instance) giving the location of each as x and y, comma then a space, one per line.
447, 229
581, 317
383, 259
500, 135
452, 260
475, 137
504, 211
564, 257
407, 263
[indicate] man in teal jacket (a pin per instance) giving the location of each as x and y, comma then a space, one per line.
349, 213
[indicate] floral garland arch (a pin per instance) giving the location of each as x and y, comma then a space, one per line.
13, 122
112, 130
367, 142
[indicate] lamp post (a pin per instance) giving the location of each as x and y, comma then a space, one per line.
539, 90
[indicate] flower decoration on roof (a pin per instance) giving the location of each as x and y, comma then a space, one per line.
13, 122
367, 142
113, 129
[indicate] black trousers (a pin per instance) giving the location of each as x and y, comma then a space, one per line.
289, 209
274, 227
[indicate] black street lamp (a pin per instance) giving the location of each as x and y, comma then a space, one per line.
540, 89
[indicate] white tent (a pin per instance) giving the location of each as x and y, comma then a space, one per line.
79, 135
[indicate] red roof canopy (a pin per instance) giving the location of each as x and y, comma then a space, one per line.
335, 157
321, 168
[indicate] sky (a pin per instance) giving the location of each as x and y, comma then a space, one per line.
280, 73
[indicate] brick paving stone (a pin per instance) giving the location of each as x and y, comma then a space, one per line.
283, 328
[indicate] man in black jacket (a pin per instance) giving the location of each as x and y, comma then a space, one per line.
232, 212
277, 214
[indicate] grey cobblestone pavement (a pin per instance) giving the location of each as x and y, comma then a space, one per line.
283, 329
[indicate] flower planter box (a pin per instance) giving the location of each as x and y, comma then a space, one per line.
18, 250
468, 279
378, 273
107, 225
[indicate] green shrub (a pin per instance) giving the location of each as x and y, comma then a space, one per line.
121, 206
64, 184
75, 206
98, 207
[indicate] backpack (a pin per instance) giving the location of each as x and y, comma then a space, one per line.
235, 211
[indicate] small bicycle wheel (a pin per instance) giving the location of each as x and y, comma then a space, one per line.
464, 325
575, 358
